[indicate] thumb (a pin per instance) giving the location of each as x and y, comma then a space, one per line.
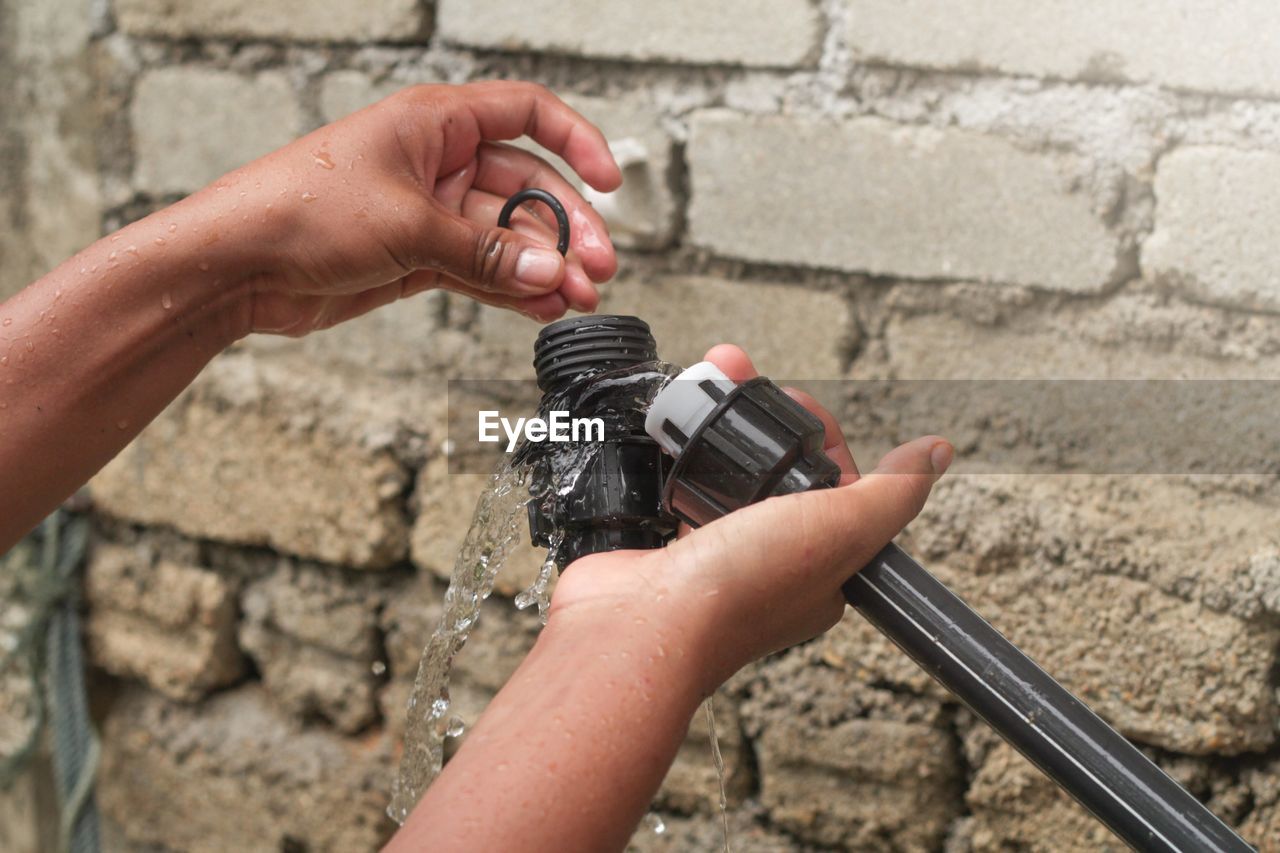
886, 500
494, 259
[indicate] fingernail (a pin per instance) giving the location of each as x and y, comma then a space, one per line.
940, 457
537, 269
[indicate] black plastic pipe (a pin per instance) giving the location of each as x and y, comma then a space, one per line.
1038, 716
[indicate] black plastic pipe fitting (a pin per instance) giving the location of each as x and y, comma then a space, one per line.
615, 501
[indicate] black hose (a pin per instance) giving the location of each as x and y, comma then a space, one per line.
1055, 731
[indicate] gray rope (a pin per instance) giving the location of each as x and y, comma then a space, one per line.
45, 568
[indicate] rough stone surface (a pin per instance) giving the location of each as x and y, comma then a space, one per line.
682, 834
758, 32
344, 92
289, 20
928, 331
179, 116
1261, 826
314, 638
233, 774
28, 821
891, 199
1178, 43
318, 478
1014, 805
1230, 255
171, 625
849, 765
50, 113
790, 333
1167, 635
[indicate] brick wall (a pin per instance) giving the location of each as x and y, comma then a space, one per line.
848, 188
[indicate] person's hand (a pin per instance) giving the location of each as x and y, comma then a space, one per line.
767, 576
404, 196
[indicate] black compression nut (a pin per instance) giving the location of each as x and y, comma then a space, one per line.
534, 194
757, 443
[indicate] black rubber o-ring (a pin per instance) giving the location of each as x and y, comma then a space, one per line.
562, 218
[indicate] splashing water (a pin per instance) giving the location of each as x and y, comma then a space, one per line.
495, 528
537, 591
620, 398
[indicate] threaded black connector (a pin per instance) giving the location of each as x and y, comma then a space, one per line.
615, 500
569, 348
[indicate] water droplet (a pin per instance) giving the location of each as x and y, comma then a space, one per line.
30, 346
323, 160
309, 196
166, 301
456, 727
132, 250
159, 241
204, 266
122, 424
173, 226
378, 668
4, 361
111, 258
8, 321
655, 823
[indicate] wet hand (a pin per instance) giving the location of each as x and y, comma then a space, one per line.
404, 196
769, 575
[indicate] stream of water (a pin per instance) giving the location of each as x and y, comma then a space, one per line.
717, 759
620, 398
495, 528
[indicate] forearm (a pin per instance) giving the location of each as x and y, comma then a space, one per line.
93, 351
570, 753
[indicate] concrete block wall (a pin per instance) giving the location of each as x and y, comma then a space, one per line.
847, 188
